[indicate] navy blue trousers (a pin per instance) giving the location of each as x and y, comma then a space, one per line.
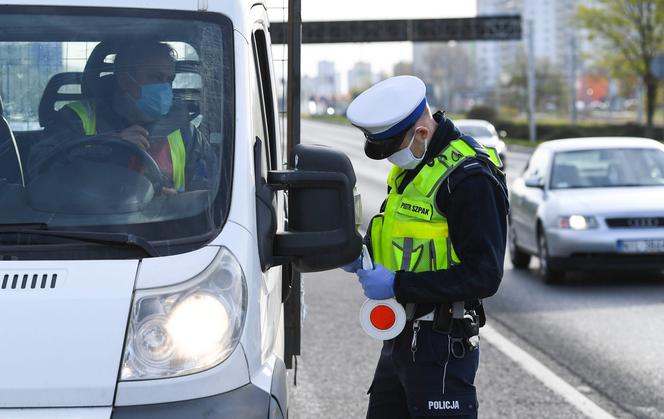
440, 383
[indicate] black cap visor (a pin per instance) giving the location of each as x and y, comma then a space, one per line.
382, 149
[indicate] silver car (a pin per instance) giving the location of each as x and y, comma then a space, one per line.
484, 132
590, 204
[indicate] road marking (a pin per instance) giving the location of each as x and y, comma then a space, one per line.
544, 374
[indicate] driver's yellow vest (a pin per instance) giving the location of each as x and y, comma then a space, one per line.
411, 234
87, 112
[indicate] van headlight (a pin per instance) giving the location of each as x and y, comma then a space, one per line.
189, 327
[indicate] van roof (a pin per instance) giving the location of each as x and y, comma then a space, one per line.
145, 4
236, 10
193, 5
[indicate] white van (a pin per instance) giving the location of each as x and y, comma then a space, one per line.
146, 281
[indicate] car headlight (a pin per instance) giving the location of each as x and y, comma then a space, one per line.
189, 327
577, 222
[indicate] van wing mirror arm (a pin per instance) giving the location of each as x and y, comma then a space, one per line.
287, 179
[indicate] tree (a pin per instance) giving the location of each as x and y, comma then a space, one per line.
550, 92
403, 68
632, 30
447, 68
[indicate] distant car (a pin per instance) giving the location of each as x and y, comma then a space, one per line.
484, 132
590, 204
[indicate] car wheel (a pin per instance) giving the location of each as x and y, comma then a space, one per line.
520, 259
548, 274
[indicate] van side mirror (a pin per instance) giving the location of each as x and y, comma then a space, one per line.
321, 232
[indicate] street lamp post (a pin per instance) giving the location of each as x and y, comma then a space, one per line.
572, 81
532, 132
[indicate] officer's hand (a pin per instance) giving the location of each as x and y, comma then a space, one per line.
168, 191
353, 266
136, 134
378, 284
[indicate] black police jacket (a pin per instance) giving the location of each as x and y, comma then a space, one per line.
474, 200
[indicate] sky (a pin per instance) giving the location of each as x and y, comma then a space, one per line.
382, 56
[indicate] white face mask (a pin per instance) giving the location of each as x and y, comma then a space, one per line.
405, 158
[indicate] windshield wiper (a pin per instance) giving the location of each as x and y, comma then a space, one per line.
29, 226
41, 229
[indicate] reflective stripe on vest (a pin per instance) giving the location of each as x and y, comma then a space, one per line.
178, 158
412, 234
494, 156
87, 113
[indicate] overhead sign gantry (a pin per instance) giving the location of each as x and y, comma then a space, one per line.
482, 28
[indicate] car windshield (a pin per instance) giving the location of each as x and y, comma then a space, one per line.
114, 124
475, 130
615, 167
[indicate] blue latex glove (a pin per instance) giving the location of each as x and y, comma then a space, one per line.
353, 266
378, 283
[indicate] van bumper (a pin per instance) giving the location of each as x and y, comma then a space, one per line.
245, 402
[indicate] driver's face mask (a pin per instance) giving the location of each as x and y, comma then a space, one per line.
155, 99
405, 158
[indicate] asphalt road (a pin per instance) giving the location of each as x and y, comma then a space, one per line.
602, 335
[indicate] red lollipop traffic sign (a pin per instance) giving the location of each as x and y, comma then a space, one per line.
381, 319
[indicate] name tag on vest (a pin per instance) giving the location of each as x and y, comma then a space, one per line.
419, 210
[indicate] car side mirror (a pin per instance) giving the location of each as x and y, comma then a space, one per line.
535, 182
321, 232
502, 133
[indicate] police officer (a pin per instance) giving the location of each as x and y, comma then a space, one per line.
437, 245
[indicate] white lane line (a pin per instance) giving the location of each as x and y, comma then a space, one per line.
544, 374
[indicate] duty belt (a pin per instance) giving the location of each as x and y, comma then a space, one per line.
457, 311
454, 320
427, 317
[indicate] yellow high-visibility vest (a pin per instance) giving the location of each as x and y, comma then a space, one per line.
411, 234
87, 112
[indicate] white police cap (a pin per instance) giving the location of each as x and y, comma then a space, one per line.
386, 109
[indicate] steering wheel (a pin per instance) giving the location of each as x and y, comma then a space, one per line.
69, 150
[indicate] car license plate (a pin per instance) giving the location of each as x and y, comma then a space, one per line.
641, 246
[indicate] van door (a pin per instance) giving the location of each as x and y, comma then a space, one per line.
266, 137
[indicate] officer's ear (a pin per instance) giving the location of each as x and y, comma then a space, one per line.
422, 134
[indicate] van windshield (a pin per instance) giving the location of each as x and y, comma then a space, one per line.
113, 123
